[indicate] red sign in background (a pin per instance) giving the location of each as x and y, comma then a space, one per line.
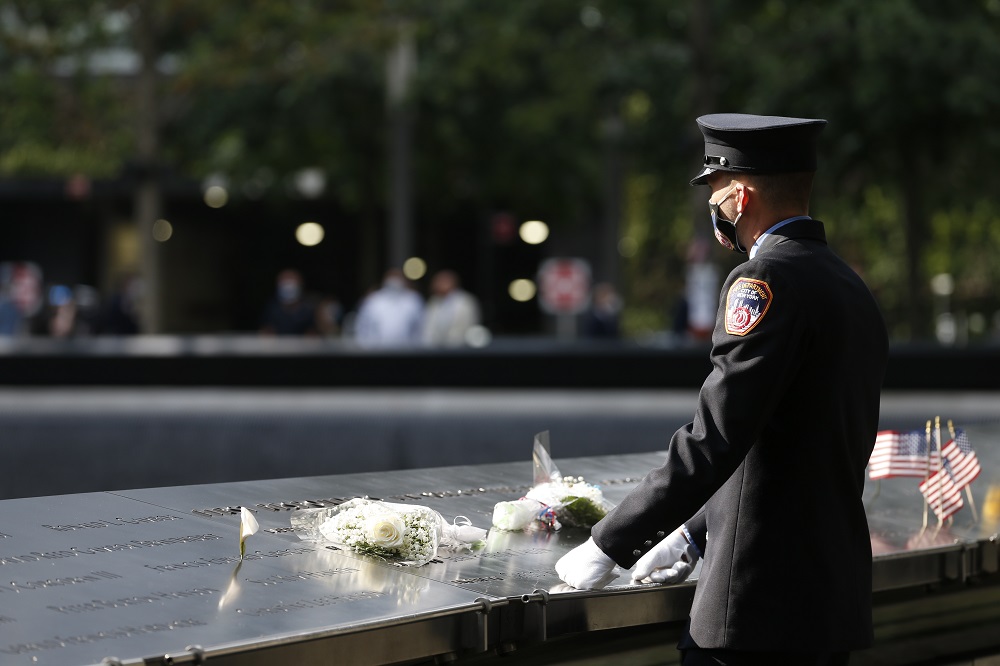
564, 286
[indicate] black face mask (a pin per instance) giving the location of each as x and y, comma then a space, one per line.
725, 230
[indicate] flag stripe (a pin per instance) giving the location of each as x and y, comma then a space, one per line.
943, 496
946, 469
897, 453
964, 467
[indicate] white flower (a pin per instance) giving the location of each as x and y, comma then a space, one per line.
386, 530
568, 500
410, 534
248, 526
515, 515
547, 493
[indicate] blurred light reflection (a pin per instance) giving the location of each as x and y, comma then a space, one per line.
414, 268
162, 230
522, 290
310, 234
534, 232
216, 196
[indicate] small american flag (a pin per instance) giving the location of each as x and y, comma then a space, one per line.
962, 461
902, 454
941, 493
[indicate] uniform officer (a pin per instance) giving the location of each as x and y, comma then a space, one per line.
765, 484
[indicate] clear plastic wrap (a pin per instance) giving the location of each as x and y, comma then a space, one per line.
553, 500
405, 533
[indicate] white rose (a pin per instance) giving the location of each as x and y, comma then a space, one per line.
547, 493
515, 515
591, 492
385, 530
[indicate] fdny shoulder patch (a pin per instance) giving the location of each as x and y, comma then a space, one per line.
746, 305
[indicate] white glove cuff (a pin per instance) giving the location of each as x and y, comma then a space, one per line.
691, 543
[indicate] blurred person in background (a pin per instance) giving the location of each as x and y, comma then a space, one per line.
679, 317
701, 291
329, 316
11, 320
72, 312
21, 298
121, 313
391, 316
62, 312
451, 312
602, 319
288, 313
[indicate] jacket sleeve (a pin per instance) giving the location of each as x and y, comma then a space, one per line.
752, 367
696, 530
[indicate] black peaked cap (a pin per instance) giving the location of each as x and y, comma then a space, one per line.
757, 144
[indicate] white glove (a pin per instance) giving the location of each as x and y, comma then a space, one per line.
586, 567
670, 561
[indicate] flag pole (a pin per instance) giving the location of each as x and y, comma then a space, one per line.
940, 490
927, 431
968, 487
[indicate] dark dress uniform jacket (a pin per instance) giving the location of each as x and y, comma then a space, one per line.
768, 477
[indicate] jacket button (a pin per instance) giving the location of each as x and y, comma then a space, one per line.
661, 534
648, 544
637, 552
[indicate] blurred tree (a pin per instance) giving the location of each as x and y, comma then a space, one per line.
545, 109
579, 113
59, 118
269, 90
904, 86
79, 118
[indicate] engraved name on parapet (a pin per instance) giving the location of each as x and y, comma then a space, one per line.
92, 577
228, 559
117, 522
57, 642
315, 602
134, 600
298, 576
73, 551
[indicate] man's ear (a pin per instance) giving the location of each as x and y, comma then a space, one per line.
742, 196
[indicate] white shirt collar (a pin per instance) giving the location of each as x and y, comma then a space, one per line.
760, 239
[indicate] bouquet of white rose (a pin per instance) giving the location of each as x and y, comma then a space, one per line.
554, 500
408, 534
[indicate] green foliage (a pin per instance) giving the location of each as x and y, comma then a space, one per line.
518, 106
965, 241
907, 88
654, 273
580, 512
58, 120
27, 159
